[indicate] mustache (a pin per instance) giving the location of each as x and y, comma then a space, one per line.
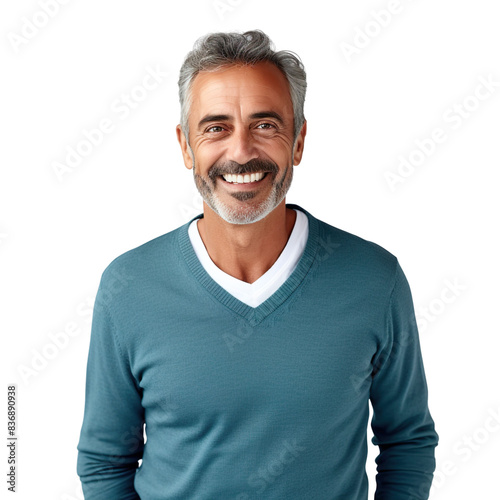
251, 167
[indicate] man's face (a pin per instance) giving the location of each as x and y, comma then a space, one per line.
241, 123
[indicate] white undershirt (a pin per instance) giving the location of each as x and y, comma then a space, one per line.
253, 294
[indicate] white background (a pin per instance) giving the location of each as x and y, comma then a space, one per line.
57, 234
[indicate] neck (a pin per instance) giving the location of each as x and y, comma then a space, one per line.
246, 251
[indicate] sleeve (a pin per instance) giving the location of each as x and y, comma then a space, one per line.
111, 439
402, 425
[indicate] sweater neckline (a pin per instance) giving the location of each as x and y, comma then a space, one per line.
253, 315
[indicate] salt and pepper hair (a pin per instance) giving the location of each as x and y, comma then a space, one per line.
217, 50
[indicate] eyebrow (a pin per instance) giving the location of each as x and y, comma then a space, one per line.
268, 114
254, 116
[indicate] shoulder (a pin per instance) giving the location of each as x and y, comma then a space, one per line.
354, 257
143, 262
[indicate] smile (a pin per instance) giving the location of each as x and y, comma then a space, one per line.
244, 179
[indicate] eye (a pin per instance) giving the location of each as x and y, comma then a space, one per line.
214, 129
265, 126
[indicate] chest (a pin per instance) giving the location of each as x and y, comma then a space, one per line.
214, 364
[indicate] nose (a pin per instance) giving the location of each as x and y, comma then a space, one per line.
241, 146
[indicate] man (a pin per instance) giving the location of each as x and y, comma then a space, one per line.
250, 340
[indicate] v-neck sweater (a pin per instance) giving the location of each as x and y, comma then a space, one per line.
253, 294
243, 402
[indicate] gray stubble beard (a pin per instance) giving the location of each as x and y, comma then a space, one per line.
248, 214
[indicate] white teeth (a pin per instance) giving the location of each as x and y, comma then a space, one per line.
243, 179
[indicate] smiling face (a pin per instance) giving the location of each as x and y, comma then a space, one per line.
241, 145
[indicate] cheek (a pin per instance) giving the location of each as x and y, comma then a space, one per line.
205, 158
212, 150
284, 159
280, 150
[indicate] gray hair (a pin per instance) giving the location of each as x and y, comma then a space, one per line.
216, 50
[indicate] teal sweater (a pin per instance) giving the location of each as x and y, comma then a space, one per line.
243, 403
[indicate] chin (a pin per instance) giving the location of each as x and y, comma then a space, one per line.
242, 215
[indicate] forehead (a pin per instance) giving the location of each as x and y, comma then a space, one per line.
243, 86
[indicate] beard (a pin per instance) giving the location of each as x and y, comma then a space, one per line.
244, 210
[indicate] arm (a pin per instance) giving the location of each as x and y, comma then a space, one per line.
402, 425
111, 439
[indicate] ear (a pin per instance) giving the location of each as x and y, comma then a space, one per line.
299, 144
185, 149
